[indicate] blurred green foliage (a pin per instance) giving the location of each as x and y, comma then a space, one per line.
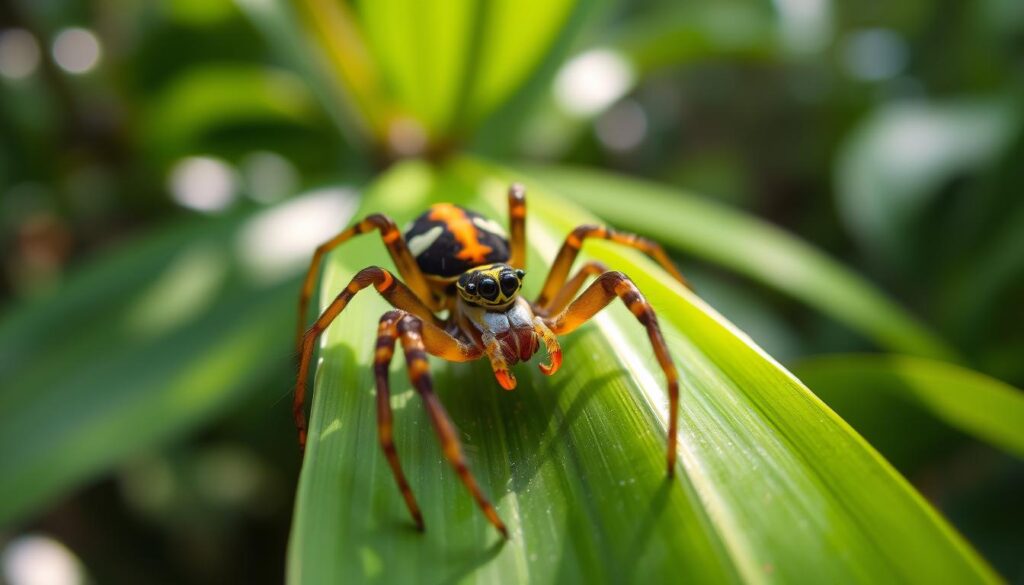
138, 352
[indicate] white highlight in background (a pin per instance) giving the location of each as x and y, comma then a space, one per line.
40, 560
203, 183
623, 127
875, 54
279, 242
806, 24
593, 81
77, 50
268, 176
19, 53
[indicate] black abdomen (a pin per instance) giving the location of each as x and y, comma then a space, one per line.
448, 239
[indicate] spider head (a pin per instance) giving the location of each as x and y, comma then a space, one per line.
493, 286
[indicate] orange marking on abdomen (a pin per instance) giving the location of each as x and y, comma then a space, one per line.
461, 226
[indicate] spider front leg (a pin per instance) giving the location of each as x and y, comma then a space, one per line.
389, 287
573, 286
439, 343
517, 226
417, 339
571, 248
400, 254
597, 296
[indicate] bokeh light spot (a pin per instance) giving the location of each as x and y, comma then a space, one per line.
76, 50
593, 81
874, 54
278, 242
268, 176
203, 183
40, 560
19, 53
623, 127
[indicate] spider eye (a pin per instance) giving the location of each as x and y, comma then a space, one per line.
520, 273
471, 287
509, 284
488, 289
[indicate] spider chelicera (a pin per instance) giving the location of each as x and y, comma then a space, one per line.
452, 259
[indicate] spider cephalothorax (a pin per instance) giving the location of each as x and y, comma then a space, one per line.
493, 286
453, 259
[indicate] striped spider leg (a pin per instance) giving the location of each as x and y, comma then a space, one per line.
418, 338
393, 291
597, 296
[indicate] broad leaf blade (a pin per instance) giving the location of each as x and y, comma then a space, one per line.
772, 485
717, 234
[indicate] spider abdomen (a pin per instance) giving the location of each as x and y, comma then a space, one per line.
449, 239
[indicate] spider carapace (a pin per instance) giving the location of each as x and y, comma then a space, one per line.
452, 260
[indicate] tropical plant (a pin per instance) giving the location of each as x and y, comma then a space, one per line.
780, 477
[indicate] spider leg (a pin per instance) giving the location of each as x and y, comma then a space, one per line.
400, 254
389, 287
387, 333
437, 342
571, 248
573, 286
517, 225
597, 296
410, 330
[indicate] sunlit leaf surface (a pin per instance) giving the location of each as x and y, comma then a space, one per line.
772, 486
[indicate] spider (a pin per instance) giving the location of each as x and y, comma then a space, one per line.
455, 260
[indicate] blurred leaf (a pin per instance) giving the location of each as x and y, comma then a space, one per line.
772, 485
279, 23
332, 25
513, 38
717, 234
148, 343
893, 166
423, 50
435, 67
673, 35
982, 286
215, 96
874, 392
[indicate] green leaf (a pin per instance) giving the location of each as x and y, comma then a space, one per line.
772, 486
513, 39
874, 392
422, 50
281, 26
215, 96
148, 343
890, 170
675, 35
720, 235
442, 65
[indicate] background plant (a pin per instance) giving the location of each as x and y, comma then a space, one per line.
139, 354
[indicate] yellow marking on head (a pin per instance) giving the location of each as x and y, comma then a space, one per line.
493, 271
